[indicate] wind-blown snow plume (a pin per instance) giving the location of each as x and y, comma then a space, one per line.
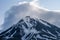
29, 9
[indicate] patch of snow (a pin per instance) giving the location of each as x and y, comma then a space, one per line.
44, 30
44, 23
51, 33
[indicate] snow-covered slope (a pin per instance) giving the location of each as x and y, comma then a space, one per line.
31, 29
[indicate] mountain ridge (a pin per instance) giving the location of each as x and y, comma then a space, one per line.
31, 29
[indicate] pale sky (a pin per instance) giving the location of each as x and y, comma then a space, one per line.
7, 4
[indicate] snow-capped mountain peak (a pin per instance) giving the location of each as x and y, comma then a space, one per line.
31, 29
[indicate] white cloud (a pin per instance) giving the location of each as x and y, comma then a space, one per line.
55, 10
20, 3
30, 9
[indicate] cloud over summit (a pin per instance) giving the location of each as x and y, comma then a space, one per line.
23, 9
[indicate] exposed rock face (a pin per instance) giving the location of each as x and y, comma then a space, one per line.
31, 29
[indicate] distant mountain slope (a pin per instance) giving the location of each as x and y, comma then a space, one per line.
31, 29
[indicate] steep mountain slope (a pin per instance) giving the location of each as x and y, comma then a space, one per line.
31, 29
